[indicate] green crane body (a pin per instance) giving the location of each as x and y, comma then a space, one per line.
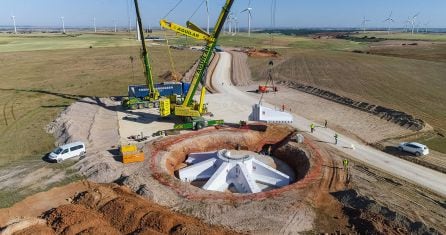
152, 100
153, 92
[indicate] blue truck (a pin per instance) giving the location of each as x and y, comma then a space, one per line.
165, 89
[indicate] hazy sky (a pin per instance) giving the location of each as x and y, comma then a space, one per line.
290, 13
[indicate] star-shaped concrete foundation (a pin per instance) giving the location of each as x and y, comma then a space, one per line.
222, 171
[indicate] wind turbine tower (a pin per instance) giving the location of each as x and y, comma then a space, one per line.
389, 21
413, 21
426, 26
115, 26
235, 26
249, 9
231, 23
364, 22
94, 24
13, 21
63, 23
406, 25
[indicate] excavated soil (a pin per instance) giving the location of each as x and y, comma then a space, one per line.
113, 209
168, 156
315, 202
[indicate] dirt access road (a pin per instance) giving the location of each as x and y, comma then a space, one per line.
237, 106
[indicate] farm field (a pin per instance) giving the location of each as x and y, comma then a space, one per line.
439, 37
43, 75
38, 84
412, 80
52, 75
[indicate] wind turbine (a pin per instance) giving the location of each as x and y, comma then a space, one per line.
63, 23
406, 25
364, 22
413, 21
94, 24
389, 21
249, 9
235, 26
231, 23
13, 21
426, 25
207, 12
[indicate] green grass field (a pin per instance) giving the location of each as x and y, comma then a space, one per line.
44, 73
37, 84
439, 37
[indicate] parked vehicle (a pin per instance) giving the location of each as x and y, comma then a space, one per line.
414, 148
66, 151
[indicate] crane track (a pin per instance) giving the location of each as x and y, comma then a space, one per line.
4, 114
11, 110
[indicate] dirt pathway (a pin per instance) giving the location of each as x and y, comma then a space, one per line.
422, 176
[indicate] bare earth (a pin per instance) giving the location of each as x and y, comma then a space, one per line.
101, 124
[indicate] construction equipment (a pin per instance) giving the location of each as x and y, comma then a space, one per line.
267, 88
152, 99
190, 110
130, 154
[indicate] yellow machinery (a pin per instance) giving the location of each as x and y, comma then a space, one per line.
189, 109
130, 154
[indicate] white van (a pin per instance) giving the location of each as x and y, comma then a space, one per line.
64, 152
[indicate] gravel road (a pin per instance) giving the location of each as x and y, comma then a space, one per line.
234, 105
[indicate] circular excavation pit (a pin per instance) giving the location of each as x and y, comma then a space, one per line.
209, 164
235, 171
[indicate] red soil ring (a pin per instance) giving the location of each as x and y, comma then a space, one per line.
168, 154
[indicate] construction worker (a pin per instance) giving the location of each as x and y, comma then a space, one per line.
325, 124
345, 162
312, 127
336, 138
283, 107
346, 171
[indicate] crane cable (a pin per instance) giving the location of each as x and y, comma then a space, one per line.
176, 5
273, 21
198, 8
169, 52
271, 63
172, 63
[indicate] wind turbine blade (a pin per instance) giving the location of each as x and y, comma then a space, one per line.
207, 6
244, 10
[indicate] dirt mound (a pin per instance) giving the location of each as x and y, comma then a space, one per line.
113, 209
170, 76
129, 213
367, 215
74, 219
262, 53
241, 75
401, 118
